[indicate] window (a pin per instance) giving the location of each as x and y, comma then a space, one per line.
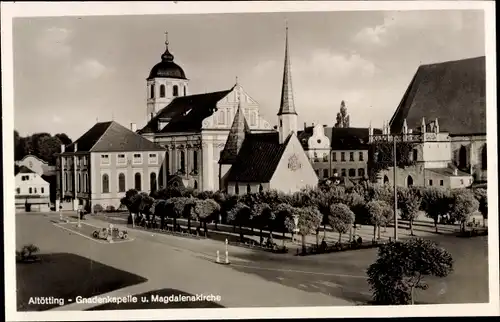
361, 172
441, 182
104, 158
162, 90
325, 173
261, 188
137, 158
31, 190
121, 182
195, 184
66, 182
281, 123
334, 156
137, 183
361, 156
237, 189
42, 190
105, 183
253, 119
352, 172
152, 181
195, 160
249, 189
222, 119
121, 159
183, 162
79, 184
430, 182
175, 91
415, 155
153, 158
152, 93
343, 172
335, 172
351, 156
325, 157
25, 178
342, 156
18, 190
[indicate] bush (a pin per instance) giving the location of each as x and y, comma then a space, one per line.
98, 208
27, 253
110, 208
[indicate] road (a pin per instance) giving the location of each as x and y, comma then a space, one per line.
254, 278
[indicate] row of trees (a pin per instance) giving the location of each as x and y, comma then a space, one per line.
42, 145
306, 211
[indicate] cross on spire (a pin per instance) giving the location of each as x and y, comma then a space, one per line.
166, 38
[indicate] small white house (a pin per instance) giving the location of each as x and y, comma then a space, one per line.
32, 192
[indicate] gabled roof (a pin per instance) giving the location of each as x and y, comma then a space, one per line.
453, 92
111, 137
185, 113
239, 129
24, 169
258, 158
341, 138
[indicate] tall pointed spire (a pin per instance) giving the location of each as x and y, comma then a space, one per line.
287, 106
237, 134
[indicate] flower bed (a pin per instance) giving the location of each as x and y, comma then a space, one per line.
335, 248
253, 245
182, 233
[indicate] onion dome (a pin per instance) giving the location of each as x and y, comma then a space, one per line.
167, 68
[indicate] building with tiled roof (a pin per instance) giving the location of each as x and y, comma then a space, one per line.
193, 128
445, 107
103, 163
32, 191
252, 162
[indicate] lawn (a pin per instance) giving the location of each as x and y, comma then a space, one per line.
64, 275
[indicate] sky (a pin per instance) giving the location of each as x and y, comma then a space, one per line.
71, 71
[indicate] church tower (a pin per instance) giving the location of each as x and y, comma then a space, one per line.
287, 115
166, 81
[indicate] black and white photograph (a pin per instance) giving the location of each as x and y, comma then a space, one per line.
249, 159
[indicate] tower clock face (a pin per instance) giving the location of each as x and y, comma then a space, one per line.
294, 163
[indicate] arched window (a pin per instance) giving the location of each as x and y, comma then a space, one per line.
352, 172
261, 188
137, 181
361, 172
185, 90
249, 189
462, 157
162, 90
105, 183
409, 181
195, 160
31, 190
175, 91
195, 184
121, 182
152, 93
66, 182
183, 162
18, 190
152, 181
79, 182
236, 189
167, 162
484, 158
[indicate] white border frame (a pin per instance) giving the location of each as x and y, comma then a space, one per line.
10, 10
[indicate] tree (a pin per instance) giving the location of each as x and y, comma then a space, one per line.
63, 138
239, 215
482, 196
341, 219
376, 211
309, 221
204, 210
48, 147
128, 202
388, 216
342, 116
176, 207
145, 204
187, 211
401, 267
263, 217
435, 203
409, 205
464, 204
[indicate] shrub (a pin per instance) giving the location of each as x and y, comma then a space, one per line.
98, 208
110, 208
27, 253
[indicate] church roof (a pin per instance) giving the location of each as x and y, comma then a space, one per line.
111, 137
186, 113
453, 92
239, 129
258, 159
287, 105
167, 68
341, 138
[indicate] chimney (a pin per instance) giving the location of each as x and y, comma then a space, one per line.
63, 148
133, 127
76, 147
455, 172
